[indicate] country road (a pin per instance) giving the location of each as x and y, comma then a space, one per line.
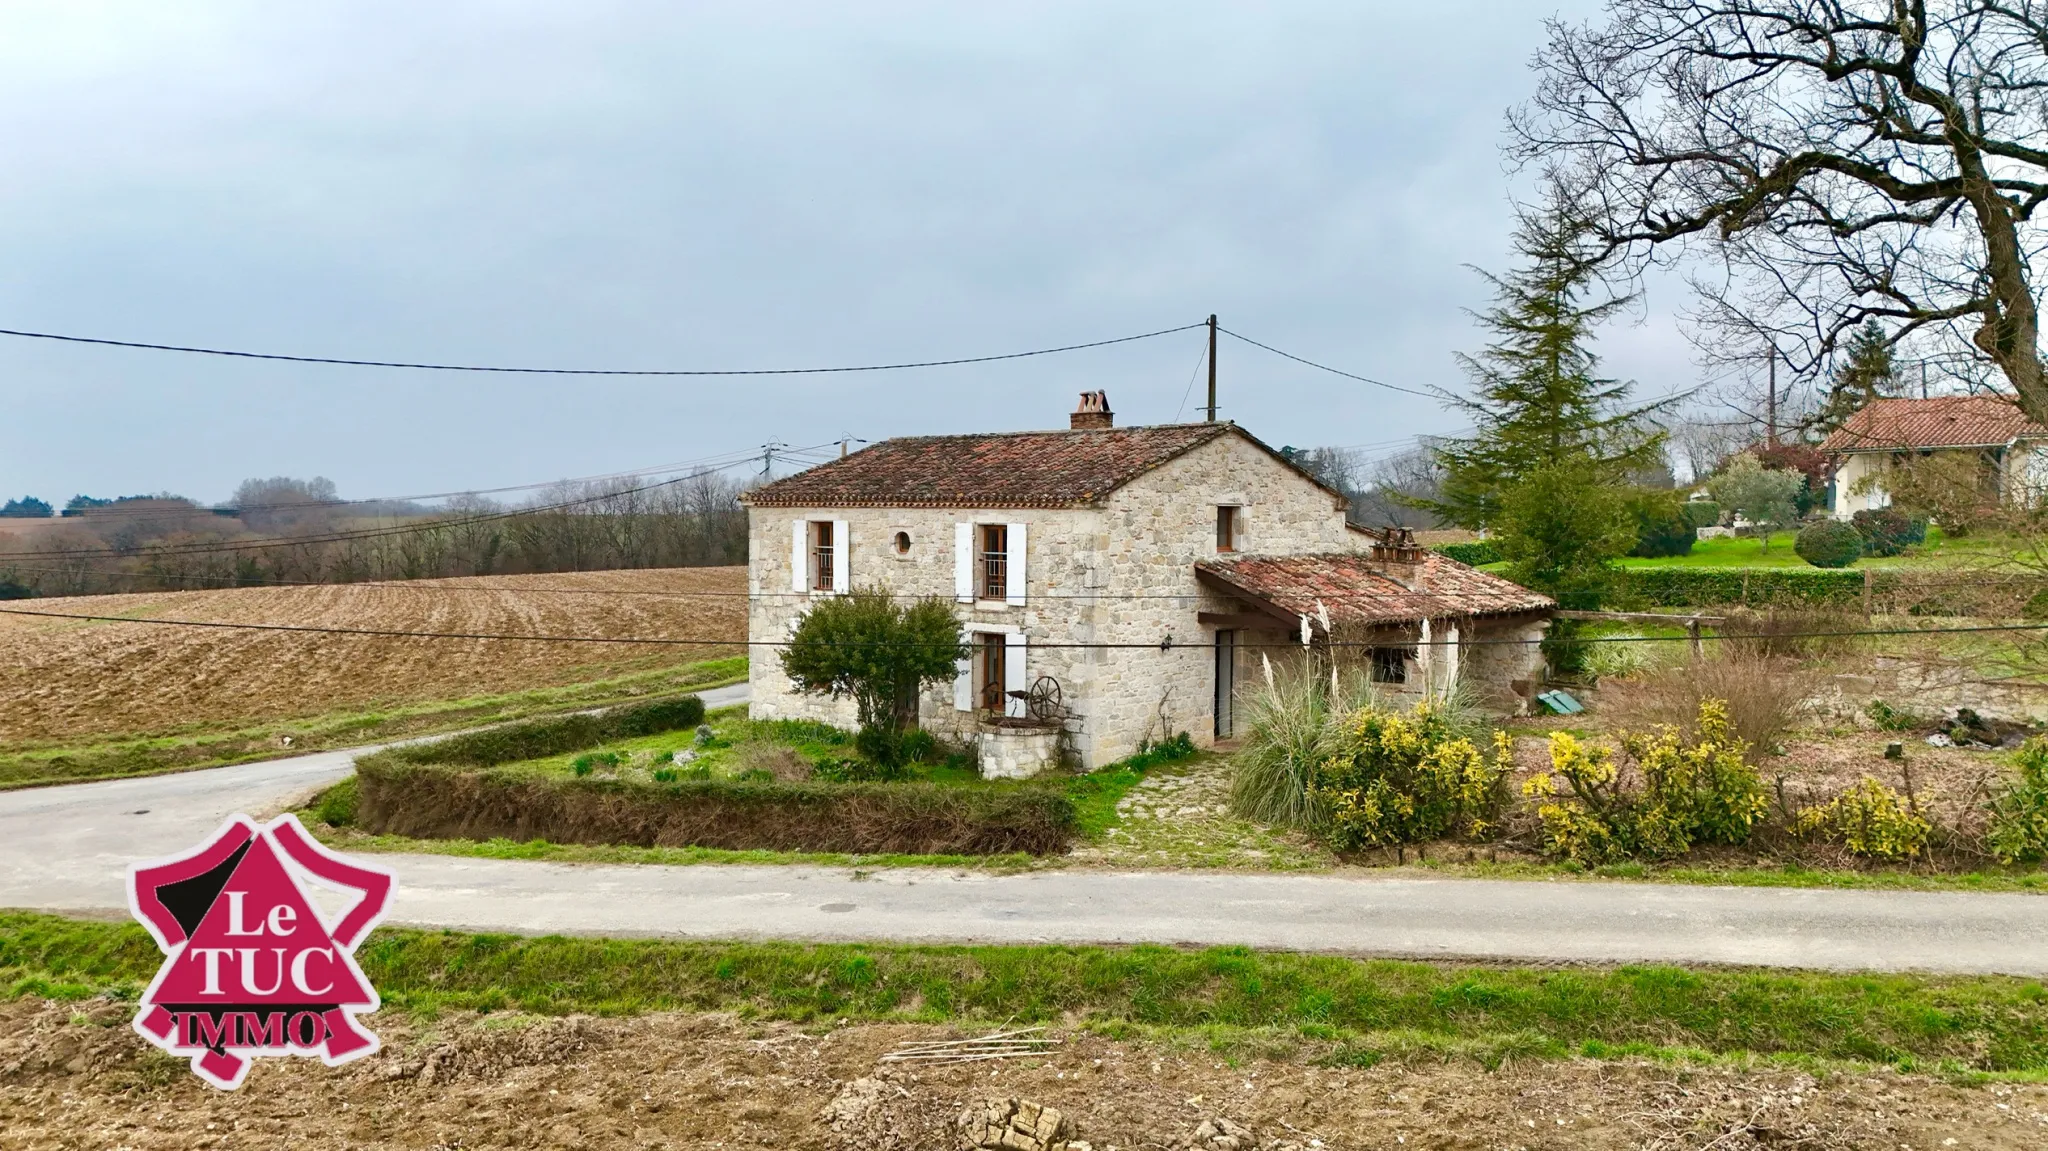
67, 848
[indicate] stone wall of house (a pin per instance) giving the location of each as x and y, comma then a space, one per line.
1121, 574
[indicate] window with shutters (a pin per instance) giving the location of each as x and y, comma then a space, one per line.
992, 564
822, 547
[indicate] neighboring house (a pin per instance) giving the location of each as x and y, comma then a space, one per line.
2011, 449
1141, 571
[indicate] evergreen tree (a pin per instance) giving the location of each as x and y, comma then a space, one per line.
1538, 402
1868, 374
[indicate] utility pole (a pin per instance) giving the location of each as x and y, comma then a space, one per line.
1212, 367
1771, 402
1923, 379
768, 456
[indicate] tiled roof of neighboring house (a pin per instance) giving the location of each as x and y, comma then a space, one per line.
1940, 422
1352, 587
1052, 469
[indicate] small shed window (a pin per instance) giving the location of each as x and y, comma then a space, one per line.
1226, 527
1390, 664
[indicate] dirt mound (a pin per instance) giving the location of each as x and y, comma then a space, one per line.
74, 1076
63, 678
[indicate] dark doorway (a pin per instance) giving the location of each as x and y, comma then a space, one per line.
1226, 683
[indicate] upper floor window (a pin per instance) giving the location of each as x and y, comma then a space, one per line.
823, 545
1227, 527
992, 569
818, 557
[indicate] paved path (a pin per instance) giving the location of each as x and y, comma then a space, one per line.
67, 849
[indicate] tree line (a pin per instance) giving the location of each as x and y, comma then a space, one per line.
288, 531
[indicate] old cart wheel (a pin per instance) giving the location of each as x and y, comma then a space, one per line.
1043, 703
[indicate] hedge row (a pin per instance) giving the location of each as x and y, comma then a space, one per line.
396, 797
557, 735
1474, 553
1755, 587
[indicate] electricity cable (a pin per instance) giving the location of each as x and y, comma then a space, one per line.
437, 367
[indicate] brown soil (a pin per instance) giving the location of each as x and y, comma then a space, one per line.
76, 1077
66, 678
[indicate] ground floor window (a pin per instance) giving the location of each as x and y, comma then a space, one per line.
1390, 664
991, 669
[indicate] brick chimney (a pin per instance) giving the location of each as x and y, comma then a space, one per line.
1399, 557
1093, 414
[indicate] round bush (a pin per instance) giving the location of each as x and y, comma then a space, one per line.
1829, 544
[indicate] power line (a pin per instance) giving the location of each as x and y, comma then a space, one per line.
1168, 643
1328, 368
433, 367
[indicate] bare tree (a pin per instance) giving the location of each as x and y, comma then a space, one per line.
1843, 160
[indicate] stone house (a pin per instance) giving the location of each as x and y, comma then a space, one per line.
2010, 450
1139, 574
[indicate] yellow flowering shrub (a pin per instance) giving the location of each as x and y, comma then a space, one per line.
1680, 793
1398, 778
1870, 820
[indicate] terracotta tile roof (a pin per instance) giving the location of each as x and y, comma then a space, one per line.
1353, 589
1940, 422
1052, 469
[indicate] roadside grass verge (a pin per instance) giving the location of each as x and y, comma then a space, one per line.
1364, 1010
205, 746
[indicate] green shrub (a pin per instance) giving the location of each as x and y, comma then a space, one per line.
847, 769
1870, 820
1473, 554
1390, 778
2019, 809
1702, 791
1828, 544
1703, 513
336, 806
919, 746
1662, 527
1889, 718
1888, 531
1618, 655
1149, 754
556, 735
435, 802
585, 764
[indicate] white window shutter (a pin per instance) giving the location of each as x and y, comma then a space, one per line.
963, 676
963, 562
842, 558
799, 546
1014, 565
1014, 680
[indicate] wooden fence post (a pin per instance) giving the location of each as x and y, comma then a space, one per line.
1869, 581
1692, 634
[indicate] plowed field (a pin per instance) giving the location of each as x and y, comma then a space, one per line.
63, 679
75, 1076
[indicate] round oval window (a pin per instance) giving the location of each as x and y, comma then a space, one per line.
902, 543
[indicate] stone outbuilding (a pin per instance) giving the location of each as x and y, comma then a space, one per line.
1114, 585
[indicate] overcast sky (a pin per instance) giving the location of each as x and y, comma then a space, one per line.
661, 185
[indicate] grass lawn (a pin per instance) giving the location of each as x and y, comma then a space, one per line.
214, 746
1362, 1011
1936, 554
